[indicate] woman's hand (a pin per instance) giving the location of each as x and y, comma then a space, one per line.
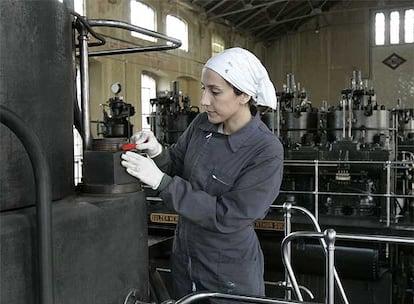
142, 168
147, 142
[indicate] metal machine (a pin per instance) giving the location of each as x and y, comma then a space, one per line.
116, 121
351, 165
173, 113
61, 243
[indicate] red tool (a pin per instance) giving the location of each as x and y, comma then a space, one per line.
128, 147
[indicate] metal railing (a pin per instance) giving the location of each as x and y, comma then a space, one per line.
330, 237
387, 165
287, 207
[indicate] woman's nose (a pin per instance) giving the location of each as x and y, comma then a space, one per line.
205, 100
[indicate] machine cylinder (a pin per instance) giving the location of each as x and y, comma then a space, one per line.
37, 84
299, 127
366, 127
406, 123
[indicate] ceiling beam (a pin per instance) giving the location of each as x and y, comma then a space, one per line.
274, 23
245, 9
258, 12
216, 6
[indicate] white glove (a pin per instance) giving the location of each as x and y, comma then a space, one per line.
142, 168
147, 142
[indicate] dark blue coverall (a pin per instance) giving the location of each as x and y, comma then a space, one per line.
219, 185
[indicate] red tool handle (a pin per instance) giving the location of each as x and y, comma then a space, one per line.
128, 147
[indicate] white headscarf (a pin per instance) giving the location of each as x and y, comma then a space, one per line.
245, 71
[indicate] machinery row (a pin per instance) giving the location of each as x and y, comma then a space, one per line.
351, 165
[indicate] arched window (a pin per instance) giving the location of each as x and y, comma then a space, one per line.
148, 91
143, 15
217, 44
178, 29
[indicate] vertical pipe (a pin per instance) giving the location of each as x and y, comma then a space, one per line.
41, 172
329, 236
394, 133
278, 119
316, 189
343, 116
388, 198
288, 228
349, 118
84, 74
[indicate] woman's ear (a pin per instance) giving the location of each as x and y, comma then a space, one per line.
244, 98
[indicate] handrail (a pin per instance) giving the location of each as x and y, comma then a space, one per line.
174, 43
330, 236
193, 297
288, 206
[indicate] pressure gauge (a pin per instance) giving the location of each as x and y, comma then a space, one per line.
116, 88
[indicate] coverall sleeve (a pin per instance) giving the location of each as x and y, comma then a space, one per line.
171, 160
249, 198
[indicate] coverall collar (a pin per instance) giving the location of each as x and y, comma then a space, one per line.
239, 138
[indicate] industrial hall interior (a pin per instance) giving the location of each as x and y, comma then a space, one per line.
206, 151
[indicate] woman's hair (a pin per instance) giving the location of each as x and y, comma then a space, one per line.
252, 103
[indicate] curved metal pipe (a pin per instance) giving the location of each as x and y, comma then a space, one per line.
175, 43
353, 237
41, 172
193, 297
322, 241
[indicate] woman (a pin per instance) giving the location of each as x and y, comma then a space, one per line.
221, 175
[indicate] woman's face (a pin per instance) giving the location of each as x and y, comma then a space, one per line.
221, 103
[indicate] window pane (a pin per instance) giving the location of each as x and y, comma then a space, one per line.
77, 139
409, 26
78, 6
379, 28
177, 28
395, 27
217, 45
143, 16
148, 91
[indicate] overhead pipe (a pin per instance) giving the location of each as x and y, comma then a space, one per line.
41, 172
172, 43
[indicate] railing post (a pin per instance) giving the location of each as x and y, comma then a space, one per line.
288, 228
329, 237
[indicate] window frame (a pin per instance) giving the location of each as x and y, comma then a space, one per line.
144, 115
139, 35
387, 32
215, 38
184, 42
